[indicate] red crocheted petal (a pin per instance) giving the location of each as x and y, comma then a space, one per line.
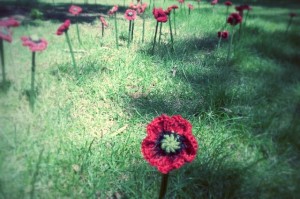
181, 126
159, 124
190, 151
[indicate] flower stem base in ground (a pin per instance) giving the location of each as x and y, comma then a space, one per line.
163, 185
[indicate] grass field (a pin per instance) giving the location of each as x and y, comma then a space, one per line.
84, 136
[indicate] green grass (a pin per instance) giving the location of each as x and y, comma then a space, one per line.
83, 139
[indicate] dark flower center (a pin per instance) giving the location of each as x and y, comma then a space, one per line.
170, 143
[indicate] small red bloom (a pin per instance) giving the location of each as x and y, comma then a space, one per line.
113, 10
292, 14
5, 34
181, 1
102, 19
228, 3
141, 9
174, 7
34, 43
75, 10
132, 6
168, 11
160, 15
130, 14
234, 19
64, 27
169, 143
190, 6
223, 34
214, 2
9, 22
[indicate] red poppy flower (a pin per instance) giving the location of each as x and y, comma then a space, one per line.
181, 1
292, 14
132, 6
9, 22
141, 9
75, 10
169, 143
190, 6
103, 21
64, 27
168, 11
214, 2
174, 6
34, 43
234, 19
223, 34
130, 14
246, 7
5, 34
113, 10
228, 3
160, 15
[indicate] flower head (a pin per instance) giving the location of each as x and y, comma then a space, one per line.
190, 6
34, 43
130, 14
228, 3
292, 14
75, 10
174, 6
63, 27
234, 19
214, 2
169, 143
103, 21
160, 15
181, 1
5, 34
141, 9
113, 10
9, 22
168, 11
223, 34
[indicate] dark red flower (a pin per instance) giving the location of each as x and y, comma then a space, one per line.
130, 14
228, 3
34, 43
113, 10
181, 1
9, 22
64, 27
174, 6
102, 20
234, 19
246, 7
5, 34
190, 6
169, 143
168, 11
223, 34
292, 14
160, 15
214, 2
75, 10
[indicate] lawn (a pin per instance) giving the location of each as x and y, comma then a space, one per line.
82, 137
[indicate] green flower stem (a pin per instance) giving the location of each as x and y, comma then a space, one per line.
230, 44
77, 29
163, 186
289, 24
246, 17
171, 34
71, 52
129, 33
240, 31
219, 43
227, 11
132, 28
160, 27
189, 11
102, 27
143, 35
174, 21
32, 73
116, 28
155, 35
2, 60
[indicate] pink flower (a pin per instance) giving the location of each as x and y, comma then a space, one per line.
5, 34
181, 1
141, 9
64, 27
9, 22
102, 19
234, 19
214, 2
113, 10
228, 3
160, 15
190, 6
130, 14
34, 43
223, 34
75, 10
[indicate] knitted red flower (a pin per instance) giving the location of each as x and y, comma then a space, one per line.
5, 34
113, 10
292, 14
160, 15
214, 2
169, 143
102, 20
181, 1
64, 27
168, 11
223, 34
141, 9
234, 19
190, 6
34, 43
9, 22
174, 6
228, 3
130, 14
75, 10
